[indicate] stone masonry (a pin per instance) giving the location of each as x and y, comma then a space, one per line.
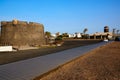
21, 33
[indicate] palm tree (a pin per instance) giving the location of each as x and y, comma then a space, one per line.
117, 31
65, 35
85, 30
114, 32
47, 34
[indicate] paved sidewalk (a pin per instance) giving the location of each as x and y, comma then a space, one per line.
28, 69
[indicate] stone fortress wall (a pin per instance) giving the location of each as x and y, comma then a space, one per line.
21, 33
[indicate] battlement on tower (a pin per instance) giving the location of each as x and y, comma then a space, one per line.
16, 22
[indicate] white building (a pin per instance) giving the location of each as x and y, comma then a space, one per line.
71, 35
54, 35
78, 35
101, 35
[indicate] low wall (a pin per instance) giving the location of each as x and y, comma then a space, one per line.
5, 48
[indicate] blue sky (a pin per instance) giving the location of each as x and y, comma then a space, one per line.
64, 15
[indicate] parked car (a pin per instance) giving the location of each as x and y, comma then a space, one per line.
117, 39
105, 40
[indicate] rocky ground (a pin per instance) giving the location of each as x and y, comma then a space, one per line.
102, 63
8, 57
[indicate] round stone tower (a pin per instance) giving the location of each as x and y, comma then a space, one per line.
21, 33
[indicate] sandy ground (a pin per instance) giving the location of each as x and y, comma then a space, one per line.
102, 63
8, 57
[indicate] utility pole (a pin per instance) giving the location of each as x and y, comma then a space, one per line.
114, 33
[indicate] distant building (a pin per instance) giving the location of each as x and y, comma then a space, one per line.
54, 35
101, 35
20, 33
78, 35
71, 35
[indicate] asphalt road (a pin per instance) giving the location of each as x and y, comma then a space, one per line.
9, 57
30, 68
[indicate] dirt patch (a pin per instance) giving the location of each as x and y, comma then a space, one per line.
102, 63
